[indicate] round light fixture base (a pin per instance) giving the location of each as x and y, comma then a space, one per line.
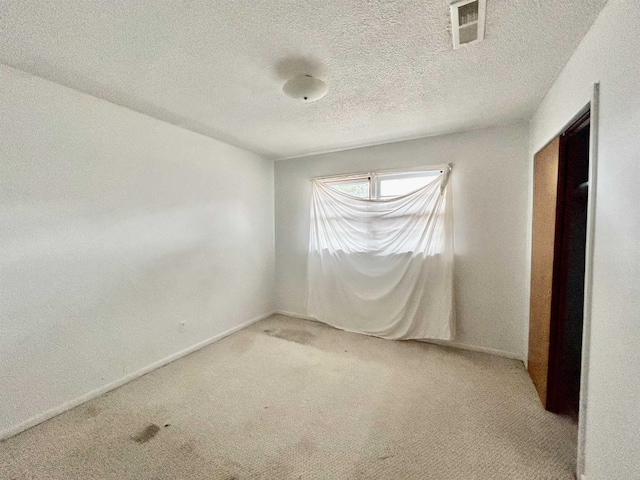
305, 88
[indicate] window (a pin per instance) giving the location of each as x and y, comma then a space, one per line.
356, 187
390, 226
399, 184
383, 186
383, 262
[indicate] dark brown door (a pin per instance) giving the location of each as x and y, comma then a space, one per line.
545, 199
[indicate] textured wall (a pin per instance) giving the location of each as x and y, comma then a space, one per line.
609, 54
116, 227
489, 184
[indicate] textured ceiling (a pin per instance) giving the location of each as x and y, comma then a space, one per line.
217, 66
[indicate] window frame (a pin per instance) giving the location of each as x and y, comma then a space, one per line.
375, 178
347, 179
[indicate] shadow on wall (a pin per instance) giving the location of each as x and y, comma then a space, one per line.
292, 66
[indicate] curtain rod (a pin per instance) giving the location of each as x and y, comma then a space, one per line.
430, 168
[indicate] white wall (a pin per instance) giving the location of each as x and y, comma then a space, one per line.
114, 228
609, 54
490, 216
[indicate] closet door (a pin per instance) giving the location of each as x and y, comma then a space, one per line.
545, 200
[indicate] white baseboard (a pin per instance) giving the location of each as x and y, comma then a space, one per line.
477, 348
446, 343
296, 315
33, 421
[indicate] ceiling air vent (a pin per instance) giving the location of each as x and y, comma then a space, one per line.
467, 21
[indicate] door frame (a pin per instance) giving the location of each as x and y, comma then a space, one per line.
588, 276
594, 107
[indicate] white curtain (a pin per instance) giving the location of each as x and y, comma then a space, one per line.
383, 267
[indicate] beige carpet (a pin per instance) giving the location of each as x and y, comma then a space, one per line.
292, 399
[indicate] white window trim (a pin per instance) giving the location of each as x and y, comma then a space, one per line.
374, 178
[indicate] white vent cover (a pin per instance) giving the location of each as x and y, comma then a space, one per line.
467, 22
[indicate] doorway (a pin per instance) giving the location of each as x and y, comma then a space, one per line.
561, 189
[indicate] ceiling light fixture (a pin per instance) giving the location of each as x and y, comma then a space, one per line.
305, 88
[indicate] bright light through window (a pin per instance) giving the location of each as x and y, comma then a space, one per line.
384, 185
397, 186
357, 188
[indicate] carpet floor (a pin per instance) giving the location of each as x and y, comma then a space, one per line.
293, 399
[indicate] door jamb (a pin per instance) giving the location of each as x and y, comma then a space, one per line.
588, 277
594, 106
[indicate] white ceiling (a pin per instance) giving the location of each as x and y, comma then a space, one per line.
217, 66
